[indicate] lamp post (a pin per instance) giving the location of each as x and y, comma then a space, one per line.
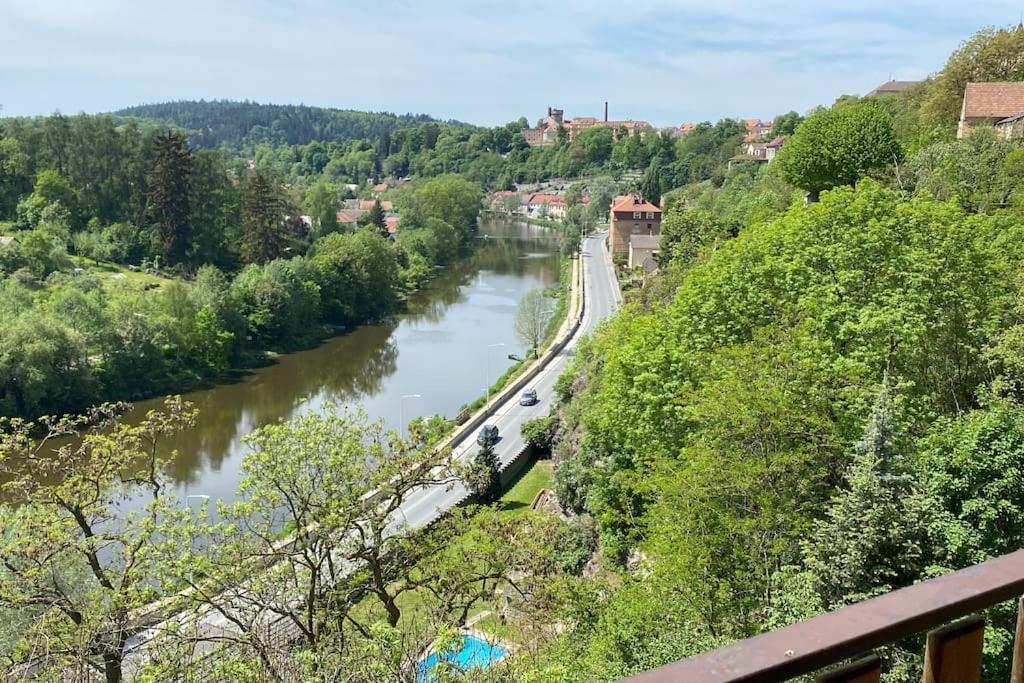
487, 376
401, 412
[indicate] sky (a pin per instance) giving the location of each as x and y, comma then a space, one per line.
483, 61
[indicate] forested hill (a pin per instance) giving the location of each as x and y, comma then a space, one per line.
217, 122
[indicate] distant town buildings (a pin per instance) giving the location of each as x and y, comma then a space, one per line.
546, 133
631, 215
756, 129
993, 104
758, 152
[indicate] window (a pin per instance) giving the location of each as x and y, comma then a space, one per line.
636, 214
650, 215
650, 227
636, 228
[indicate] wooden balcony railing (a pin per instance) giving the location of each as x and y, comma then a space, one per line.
946, 607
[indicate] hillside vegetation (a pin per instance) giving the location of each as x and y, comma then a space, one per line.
244, 124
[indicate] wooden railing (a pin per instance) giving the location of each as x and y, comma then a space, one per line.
945, 607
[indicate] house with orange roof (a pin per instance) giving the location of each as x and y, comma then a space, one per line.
991, 104
367, 204
631, 215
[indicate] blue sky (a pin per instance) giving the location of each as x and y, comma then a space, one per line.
486, 62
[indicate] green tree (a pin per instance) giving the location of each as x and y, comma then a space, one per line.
169, 194
839, 146
650, 183
685, 232
322, 206
263, 214
786, 124
873, 537
310, 475
70, 548
376, 218
532, 316
51, 188
13, 175
485, 482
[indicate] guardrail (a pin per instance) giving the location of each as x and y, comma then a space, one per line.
953, 653
480, 417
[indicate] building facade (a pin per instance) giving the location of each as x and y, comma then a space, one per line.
631, 215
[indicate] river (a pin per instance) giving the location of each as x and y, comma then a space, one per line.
440, 348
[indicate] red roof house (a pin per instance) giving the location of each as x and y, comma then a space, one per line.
986, 104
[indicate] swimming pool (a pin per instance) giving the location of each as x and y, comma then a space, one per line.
475, 653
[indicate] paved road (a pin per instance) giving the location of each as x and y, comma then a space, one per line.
423, 506
601, 297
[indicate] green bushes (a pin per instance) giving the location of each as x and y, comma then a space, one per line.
539, 434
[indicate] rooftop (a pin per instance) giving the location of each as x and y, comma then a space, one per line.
893, 87
633, 202
993, 100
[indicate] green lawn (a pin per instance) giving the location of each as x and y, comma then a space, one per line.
111, 274
538, 475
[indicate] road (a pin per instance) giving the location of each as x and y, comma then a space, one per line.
600, 301
601, 297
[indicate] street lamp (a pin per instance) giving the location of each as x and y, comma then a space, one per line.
487, 376
401, 412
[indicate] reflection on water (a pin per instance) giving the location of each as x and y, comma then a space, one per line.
437, 348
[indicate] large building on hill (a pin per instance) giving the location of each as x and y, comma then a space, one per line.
992, 104
893, 88
546, 132
631, 215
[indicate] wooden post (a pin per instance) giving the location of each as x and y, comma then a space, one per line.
953, 653
1017, 672
866, 670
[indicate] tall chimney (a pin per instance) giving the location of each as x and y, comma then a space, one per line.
606, 111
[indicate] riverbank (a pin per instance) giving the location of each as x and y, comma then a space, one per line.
432, 358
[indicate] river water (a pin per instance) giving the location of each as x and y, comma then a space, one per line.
439, 348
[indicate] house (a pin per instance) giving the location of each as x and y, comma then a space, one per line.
892, 88
380, 187
631, 215
773, 147
544, 204
687, 128
758, 152
1012, 127
556, 207
348, 217
991, 104
391, 222
756, 129
367, 204
643, 249
500, 200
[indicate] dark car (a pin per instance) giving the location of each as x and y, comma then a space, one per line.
529, 398
488, 435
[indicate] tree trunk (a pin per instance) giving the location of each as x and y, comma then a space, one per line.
112, 668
